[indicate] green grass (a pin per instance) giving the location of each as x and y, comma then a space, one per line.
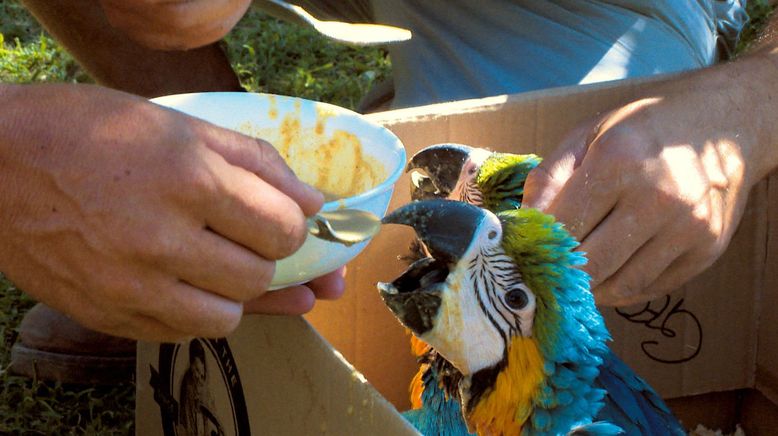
759, 11
32, 407
291, 60
28, 55
269, 56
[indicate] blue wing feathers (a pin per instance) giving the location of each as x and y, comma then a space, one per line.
631, 404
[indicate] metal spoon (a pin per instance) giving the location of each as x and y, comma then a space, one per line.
350, 33
344, 226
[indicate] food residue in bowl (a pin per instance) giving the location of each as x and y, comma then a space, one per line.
273, 111
335, 164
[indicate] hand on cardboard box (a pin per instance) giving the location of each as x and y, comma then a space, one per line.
140, 221
654, 190
175, 24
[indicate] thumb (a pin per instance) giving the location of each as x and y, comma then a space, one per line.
547, 179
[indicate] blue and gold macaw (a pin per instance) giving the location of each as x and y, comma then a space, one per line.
503, 300
477, 176
495, 180
483, 178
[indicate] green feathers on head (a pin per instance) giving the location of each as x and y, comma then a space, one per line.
501, 179
543, 252
537, 241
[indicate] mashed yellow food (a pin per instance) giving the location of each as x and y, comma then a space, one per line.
335, 164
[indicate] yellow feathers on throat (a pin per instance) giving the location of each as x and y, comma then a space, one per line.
504, 409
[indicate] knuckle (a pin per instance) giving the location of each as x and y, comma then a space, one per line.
626, 292
268, 155
110, 324
622, 144
293, 233
123, 292
606, 295
539, 175
708, 256
630, 301
604, 184
263, 278
118, 286
636, 285
701, 224
157, 245
615, 138
193, 319
595, 269
623, 287
663, 199
225, 325
185, 160
199, 178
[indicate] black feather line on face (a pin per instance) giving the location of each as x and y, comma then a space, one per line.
488, 313
517, 330
495, 300
470, 193
482, 382
492, 270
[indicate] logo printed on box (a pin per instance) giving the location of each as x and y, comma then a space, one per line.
198, 389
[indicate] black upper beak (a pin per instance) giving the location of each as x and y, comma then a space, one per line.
445, 227
443, 163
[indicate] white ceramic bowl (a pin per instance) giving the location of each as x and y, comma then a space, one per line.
325, 153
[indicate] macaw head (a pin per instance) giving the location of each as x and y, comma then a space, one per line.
502, 298
473, 175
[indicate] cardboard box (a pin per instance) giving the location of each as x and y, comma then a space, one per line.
711, 346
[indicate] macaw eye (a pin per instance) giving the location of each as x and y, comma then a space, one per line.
516, 299
492, 234
471, 171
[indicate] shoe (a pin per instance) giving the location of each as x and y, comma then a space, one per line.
53, 347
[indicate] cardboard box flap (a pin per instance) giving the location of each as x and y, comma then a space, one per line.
274, 374
672, 342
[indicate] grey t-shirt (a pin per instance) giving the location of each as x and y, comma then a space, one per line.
468, 49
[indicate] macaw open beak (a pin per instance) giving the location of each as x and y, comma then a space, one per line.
442, 164
446, 228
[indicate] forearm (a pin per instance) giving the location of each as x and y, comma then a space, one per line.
25, 125
114, 60
735, 102
755, 72
33, 127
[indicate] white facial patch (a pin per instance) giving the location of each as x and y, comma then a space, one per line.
466, 189
484, 304
478, 156
462, 334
